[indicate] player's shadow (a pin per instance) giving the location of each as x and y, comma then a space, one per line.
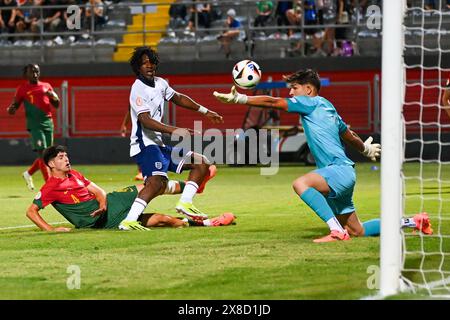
313, 233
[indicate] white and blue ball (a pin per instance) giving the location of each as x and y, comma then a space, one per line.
246, 74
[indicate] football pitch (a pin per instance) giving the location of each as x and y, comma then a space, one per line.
268, 254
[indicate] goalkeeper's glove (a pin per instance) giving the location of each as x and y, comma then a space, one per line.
232, 97
371, 150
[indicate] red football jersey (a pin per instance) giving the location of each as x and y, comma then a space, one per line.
70, 190
35, 95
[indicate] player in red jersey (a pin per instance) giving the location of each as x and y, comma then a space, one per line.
86, 205
38, 98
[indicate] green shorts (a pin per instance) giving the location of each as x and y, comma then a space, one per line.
42, 136
119, 204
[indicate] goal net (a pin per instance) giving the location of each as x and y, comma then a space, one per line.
421, 264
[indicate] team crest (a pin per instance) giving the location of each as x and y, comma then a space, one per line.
139, 101
158, 165
81, 184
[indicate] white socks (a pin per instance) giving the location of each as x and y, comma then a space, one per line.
171, 187
189, 192
407, 222
334, 224
136, 210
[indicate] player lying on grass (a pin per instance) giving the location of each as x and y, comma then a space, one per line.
328, 190
86, 205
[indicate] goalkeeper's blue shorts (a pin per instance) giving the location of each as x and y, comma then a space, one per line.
341, 180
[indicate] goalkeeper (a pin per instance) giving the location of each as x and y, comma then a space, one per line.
328, 190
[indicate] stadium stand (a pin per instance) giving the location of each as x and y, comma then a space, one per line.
126, 23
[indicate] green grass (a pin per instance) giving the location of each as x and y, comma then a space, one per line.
268, 254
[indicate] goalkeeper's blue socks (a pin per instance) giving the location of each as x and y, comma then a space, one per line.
372, 228
317, 202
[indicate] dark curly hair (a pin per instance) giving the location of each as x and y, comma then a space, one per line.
51, 152
136, 58
304, 76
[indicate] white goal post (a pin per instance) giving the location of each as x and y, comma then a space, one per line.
391, 138
415, 138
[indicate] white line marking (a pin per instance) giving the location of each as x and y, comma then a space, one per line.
29, 226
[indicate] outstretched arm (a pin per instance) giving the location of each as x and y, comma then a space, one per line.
368, 149
255, 101
186, 102
33, 215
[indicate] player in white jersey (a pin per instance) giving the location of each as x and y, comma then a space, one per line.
147, 98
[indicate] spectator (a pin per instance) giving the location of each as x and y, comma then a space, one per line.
22, 17
52, 16
343, 16
264, 11
8, 17
43, 19
99, 18
178, 14
33, 18
232, 32
430, 5
294, 15
342, 45
280, 13
200, 12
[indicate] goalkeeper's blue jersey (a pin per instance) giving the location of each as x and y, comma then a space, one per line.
323, 128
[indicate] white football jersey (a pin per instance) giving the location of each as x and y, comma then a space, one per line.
144, 98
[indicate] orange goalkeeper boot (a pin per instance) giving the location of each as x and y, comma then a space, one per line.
139, 177
334, 236
224, 219
423, 223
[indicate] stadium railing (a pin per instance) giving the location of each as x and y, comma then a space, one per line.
111, 32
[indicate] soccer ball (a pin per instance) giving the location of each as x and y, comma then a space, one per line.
246, 74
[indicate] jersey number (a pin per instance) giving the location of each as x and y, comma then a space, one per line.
31, 98
75, 199
159, 110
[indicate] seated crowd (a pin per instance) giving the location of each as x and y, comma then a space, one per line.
277, 20
19, 18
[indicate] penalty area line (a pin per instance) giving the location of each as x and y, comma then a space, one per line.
30, 225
